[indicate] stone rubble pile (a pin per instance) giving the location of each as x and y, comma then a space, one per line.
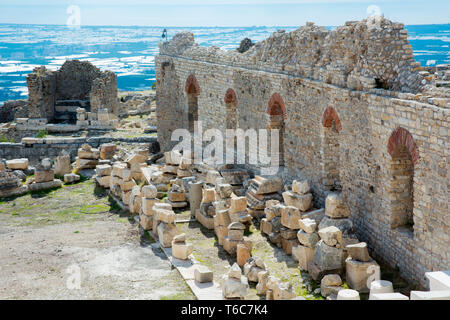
87, 158
260, 190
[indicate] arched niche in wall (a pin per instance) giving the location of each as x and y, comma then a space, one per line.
404, 155
193, 91
231, 111
330, 149
276, 113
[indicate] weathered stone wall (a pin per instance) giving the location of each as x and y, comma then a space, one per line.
41, 93
75, 80
103, 93
321, 81
13, 109
36, 149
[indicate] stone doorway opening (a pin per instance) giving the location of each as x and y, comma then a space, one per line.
330, 150
193, 91
404, 155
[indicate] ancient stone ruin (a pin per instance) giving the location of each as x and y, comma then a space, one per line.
359, 119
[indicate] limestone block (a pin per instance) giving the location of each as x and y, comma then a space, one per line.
62, 165
223, 217
288, 244
308, 225
358, 272
221, 232
316, 215
56, 183
290, 217
126, 197
43, 176
183, 173
185, 163
332, 280
207, 222
164, 215
308, 239
181, 250
86, 163
195, 195
332, 236
275, 238
438, 280
288, 234
169, 169
269, 294
203, 274
265, 186
209, 195
235, 235
17, 164
103, 181
348, 294
430, 295
380, 286
300, 187
303, 255
389, 296
358, 252
146, 222
135, 200
149, 191
345, 225
272, 282
243, 254
107, 151
103, 170
326, 257
233, 288
166, 233
176, 196
327, 290
127, 185
71, 178
92, 154
173, 157
230, 246
147, 206
224, 190
301, 202
117, 169
266, 226
241, 217
335, 206
238, 204
212, 176
2, 166
235, 271
283, 292
136, 158
261, 287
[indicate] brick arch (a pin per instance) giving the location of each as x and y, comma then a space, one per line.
276, 106
230, 96
329, 116
402, 137
192, 85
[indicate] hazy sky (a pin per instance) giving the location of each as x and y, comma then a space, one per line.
222, 12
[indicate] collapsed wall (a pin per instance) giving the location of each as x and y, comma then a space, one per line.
55, 95
357, 114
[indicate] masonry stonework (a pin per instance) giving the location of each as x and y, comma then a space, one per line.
357, 113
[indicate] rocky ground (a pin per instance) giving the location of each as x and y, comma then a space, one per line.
46, 237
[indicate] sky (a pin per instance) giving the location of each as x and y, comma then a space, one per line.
219, 13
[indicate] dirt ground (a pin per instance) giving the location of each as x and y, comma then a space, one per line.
51, 240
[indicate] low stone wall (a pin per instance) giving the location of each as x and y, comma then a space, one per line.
36, 149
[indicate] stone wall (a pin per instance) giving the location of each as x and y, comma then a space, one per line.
36, 149
331, 82
103, 93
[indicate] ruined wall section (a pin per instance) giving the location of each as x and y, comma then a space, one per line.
74, 80
103, 93
41, 93
359, 55
367, 119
